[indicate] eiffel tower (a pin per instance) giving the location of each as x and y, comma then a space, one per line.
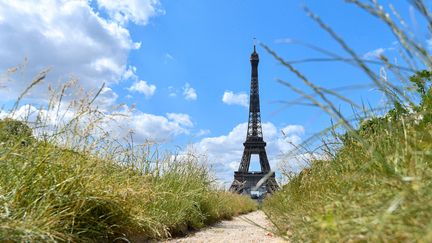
246, 181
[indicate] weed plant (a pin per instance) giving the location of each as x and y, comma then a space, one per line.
373, 182
68, 180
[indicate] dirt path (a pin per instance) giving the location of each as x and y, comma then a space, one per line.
240, 229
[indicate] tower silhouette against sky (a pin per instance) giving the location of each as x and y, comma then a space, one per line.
246, 181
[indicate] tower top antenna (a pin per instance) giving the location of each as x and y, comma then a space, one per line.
254, 43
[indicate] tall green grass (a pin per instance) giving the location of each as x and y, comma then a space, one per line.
373, 179
376, 190
69, 181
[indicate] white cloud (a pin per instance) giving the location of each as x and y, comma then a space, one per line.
75, 40
130, 73
71, 38
137, 11
232, 98
377, 53
189, 93
172, 91
142, 87
45, 121
224, 152
374, 54
202, 132
158, 128
106, 98
293, 129
182, 119
291, 136
118, 124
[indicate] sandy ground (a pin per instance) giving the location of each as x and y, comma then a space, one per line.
240, 229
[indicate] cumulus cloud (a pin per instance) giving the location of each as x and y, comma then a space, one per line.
144, 126
137, 11
189, 93
33, 114
142, 87
202, 132
76, 40
158, 128
291, 136
106, 99
224, 152
232, 98
293, 129
182, 119
130, 73
71, 38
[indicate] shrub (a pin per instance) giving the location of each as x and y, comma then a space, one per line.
12, 131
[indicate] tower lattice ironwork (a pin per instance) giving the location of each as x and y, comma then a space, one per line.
244, 180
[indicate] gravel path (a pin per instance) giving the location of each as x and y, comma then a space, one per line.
240, 229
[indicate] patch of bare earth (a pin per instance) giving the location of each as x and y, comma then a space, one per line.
252, 227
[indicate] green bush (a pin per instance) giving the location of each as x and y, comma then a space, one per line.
13, 131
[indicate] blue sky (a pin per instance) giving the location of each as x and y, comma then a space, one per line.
210, 43
175, 60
